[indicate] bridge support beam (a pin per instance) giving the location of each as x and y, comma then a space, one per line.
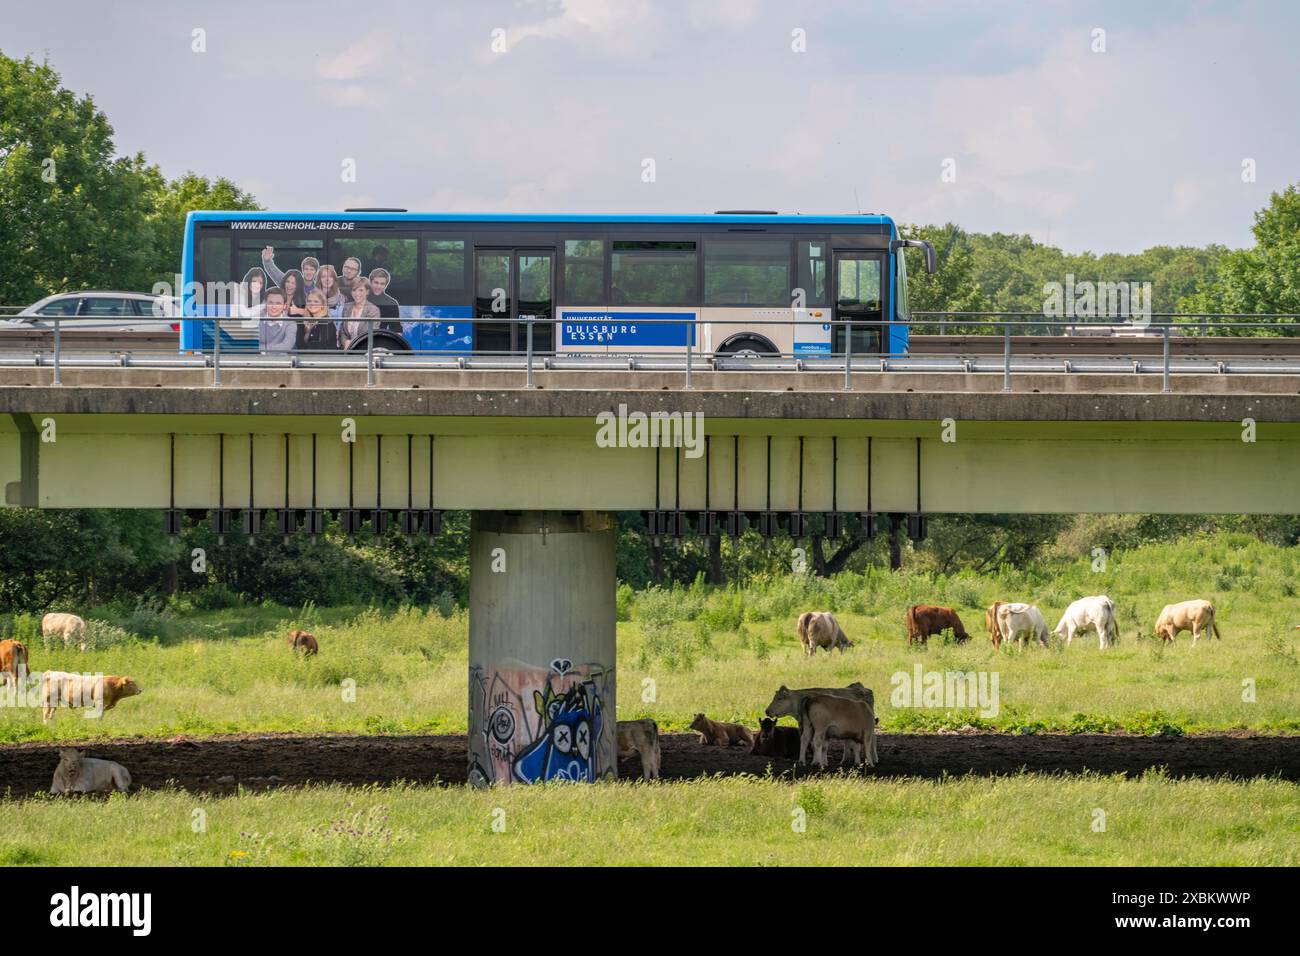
541, 647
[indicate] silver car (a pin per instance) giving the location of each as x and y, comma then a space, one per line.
98, 311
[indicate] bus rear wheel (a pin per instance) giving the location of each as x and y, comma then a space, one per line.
748, 345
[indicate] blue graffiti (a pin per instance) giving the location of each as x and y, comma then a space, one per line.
565, 750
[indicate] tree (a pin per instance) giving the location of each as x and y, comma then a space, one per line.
1265, 278
953, 286
72, 216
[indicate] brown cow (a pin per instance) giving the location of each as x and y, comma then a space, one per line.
991, 622
834, 718
13, 656
926, 619
1195, 616
820, 629
721, 734
640, 737
91, 691
774, 741
302, 641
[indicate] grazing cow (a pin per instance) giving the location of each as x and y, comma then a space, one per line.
836, 718
820, 629
13, 662
78, 774
1090, 613
95, 692
69, 627
721, 734
774, 741
1019, 622
640, 737
1195, 616
302, 641
793, 703
991, 622
926, 619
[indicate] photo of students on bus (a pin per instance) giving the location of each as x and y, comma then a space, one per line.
294, 293
309, 267
276, 333
317, 332
251, 295
387, 305
327, 281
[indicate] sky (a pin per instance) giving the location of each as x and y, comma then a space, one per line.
1108, 127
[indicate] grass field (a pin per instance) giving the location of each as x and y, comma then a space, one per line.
1018, 820
724, 652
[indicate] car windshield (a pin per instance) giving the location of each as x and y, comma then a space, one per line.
59, 307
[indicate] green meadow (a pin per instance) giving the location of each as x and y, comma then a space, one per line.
724, 651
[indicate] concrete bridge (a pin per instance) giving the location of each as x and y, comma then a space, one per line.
542, 468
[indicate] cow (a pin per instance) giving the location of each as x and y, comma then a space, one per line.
13, 662
820, 629
1195, 616
93, 691
721, 734
836, 718
991, 622
1090, 613
70, 628
926, 619
78, 774
1019, 622
792, 703
774, 741
640, 737
302, 641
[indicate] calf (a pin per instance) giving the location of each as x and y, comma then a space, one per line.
774, 741
721, 734
68, 627
793, 703
991, 622
13, 662
1090, 613
835, 718
302, 641
926, 619
78, 774
1195, 616
820, 629
1020, 622
640, 737
92, 691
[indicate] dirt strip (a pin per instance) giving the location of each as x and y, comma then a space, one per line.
257, 761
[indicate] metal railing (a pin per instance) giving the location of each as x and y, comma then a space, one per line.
1258, 347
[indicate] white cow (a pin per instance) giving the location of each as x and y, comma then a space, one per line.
78, 774
1090, 613
1020, 622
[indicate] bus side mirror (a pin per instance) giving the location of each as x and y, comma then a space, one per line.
916, 244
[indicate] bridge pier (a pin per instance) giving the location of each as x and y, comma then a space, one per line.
541, 647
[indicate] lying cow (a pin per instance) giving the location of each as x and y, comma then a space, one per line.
835, 718
1195, 616
302, 641
774, 741
926, 619
640, 737
78, 774
1087, 614
721, 734
67, 627
91, 691
820, 629
991, 622
13, 662
793, 703
1020, 622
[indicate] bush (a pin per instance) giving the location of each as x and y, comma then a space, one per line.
100, 635
214, 596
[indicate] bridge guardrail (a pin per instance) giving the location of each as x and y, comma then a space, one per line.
162, 351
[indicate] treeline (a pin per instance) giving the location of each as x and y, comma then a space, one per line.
85, 558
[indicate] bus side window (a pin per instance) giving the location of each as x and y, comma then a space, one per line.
813, 270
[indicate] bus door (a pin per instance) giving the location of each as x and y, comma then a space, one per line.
514, 285
859, 294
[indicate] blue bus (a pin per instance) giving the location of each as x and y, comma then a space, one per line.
751, 283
